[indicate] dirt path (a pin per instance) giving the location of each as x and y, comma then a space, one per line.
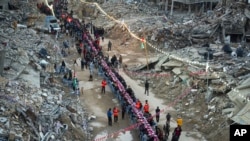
98, 104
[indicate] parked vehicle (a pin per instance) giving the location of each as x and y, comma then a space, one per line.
51, 24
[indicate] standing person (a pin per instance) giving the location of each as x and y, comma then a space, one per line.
91, 67
138, 104
70, 75
109, 46
123, 110
166, 129
179, 121
120, 61
75, 64
55, 67
159, 133
104, 83
113, 60
157, 111
74, 83
102, 38
146, 87
109, 115
115, 112
82, 63
146, 107
168, 117
63, 66
177, 133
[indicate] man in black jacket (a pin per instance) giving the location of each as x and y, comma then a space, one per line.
146, 87
157, 111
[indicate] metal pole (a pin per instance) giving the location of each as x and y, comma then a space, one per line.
146, 52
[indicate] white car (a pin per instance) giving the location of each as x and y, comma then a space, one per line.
51, 21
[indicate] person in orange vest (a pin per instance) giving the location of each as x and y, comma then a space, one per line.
104, 83
146, 107
115, 112
138, 104
179, 121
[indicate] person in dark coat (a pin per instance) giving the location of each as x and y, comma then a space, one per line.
168, 117
146, 87
157, 111
63, 67
177, 133
82, 63
109, 46
109, 115
123, 110
113, 60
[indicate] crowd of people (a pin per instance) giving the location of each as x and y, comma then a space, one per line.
93, 58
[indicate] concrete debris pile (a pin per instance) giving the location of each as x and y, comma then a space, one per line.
182, 30
127, 13
31, 113
30, 110
229, 68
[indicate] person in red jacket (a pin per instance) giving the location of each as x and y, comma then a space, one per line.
115, 113
176, 134
146, 107
104, 83
137, 105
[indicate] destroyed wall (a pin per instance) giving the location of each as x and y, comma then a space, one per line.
241, 99
4, 4
195, 1
33, 103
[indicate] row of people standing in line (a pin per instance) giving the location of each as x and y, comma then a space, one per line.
146, 106
126, 107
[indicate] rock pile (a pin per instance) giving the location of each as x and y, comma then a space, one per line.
33, 103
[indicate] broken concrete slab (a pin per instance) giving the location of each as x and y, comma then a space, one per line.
3, 119
33, 77
184, 77
242, 117
177, 71
172, 64
159, 64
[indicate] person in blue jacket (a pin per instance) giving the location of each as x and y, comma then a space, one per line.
109, 114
